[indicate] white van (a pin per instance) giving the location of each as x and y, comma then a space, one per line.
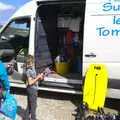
67, 35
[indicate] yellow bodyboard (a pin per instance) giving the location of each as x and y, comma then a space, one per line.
95, 86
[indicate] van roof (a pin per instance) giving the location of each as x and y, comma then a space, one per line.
29, 9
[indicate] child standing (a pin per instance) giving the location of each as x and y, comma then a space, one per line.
32, 85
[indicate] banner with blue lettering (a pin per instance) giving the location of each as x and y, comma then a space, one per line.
107, 15
102, 30
102, 18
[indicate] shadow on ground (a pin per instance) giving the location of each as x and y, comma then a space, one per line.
113, 104
20, 111
75, 99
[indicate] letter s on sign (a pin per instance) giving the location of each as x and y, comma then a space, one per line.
107, 7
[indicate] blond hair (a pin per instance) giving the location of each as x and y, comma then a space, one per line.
30, 59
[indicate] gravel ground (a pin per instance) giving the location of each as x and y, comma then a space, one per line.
50, 106
56, 106
48, 109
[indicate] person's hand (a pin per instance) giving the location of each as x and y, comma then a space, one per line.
40, 76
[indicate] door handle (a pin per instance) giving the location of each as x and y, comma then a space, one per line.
90, 55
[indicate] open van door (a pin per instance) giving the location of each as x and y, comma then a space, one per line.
102, 38
16, 37
59, 32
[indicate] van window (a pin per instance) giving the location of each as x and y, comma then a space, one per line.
17, 35
18, 27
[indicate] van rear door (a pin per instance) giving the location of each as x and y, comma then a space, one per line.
102, 37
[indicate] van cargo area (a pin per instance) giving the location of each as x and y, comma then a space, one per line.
59, 43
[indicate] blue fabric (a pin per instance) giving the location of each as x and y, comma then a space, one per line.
9, 106
4, 77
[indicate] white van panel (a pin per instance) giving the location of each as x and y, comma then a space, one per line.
102, 37
32, 37
103, 6
113, 69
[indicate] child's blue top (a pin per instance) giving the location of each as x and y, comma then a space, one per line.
4, 77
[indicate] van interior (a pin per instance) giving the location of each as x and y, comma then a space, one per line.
59, 40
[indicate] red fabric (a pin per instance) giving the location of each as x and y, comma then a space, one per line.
69, 37
70, 50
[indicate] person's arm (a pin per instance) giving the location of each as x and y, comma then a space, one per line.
32, 81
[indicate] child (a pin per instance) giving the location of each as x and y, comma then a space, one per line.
32, 85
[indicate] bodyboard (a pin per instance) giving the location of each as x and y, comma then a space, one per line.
95, 86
